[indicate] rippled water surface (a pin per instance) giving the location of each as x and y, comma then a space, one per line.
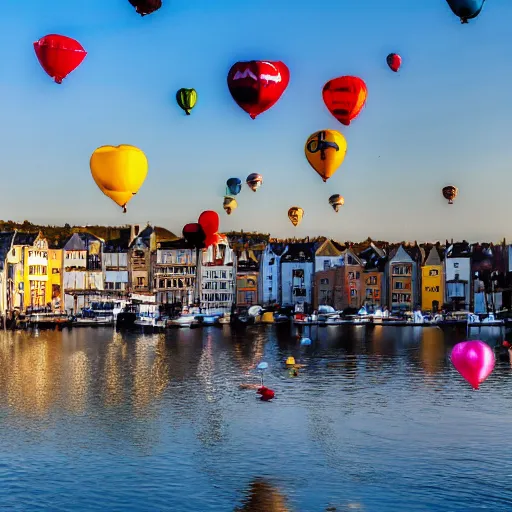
377, 420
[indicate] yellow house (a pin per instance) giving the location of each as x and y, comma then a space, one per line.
35, 271
17, 295
432, 282
55, 276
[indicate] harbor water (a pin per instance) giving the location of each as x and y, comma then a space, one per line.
377, 420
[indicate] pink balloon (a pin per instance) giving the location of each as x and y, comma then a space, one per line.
474, 360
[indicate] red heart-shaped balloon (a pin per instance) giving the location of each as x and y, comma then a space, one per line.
59, 55
257, 85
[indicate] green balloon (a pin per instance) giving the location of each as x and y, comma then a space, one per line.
186, 99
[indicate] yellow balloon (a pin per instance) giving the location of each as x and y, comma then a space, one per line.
295, 214
325, 151
229, 204
119, 171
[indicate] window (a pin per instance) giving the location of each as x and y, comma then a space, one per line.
399, 285
161, 283
55, 270
140, 281
353, 293
369, 293
358, 275
324, 281
350, 260
372, 280
456, 265
118, 286
456, 290
433, 272
327, 264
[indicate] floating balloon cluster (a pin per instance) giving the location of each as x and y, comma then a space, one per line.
204, 232
234, 187
255, 86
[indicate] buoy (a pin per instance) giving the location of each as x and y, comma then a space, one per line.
266, 393
305, 341
290, 361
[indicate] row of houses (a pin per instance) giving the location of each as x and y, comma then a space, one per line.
248, 269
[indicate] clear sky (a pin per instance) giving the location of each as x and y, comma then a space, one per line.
443, 119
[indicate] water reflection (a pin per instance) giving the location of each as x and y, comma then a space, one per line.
432, 351
371, 412
263, 497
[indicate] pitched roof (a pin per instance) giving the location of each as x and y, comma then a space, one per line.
401, 255
164, 235
433, 257
6, 239
354, 256
75, 243
25, 238
328, 249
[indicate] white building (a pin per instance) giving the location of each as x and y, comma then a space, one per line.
83, 273
174, 273
329, 255
115, 264
457, 268
218, 277
270, 274
297, 273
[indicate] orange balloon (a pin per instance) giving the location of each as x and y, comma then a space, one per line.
345, 97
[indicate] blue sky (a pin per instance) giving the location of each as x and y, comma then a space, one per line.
443, 119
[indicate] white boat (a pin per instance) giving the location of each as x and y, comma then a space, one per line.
94, 321
150, 322
183, 321
148, 315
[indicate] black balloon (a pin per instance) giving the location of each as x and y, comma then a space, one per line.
194, 235
144, 7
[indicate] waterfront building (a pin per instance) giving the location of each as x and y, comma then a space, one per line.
249, 249
6, 279
247, 278
297, 273
139, 259
487, 272
82, 271
217, 270
143, 243
19, 298
432, 282
173, 267
329, 288
36, 286
270, 273
115, 264
372, 280
353, 269
329, 255
457, 269
55, 276
403, 277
